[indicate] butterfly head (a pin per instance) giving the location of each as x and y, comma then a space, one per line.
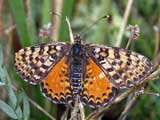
77, 38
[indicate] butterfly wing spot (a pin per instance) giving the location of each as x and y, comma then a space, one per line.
97, 90
34, 63
122, 67
56, 85
138, 67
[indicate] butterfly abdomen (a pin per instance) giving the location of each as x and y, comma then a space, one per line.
76, 78
76, 71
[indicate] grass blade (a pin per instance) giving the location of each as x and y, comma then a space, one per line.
21, 22
8, 110
26, 108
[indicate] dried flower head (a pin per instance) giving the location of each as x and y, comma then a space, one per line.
134, 30
46, 30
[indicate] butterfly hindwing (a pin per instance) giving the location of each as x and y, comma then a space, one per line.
123, 67
34, 63
56, 85
97, 89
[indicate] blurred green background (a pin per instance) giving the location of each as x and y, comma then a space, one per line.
21, 20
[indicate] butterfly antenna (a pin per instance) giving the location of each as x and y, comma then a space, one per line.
70, 30
59, 15
56, 14
83, 32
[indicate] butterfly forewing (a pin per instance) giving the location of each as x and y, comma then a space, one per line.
34, 63
122, 67
56, 85
97, 89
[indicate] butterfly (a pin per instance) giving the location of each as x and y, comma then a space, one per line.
91, 71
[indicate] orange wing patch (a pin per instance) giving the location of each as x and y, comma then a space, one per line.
34, 63
97, 89
56, 85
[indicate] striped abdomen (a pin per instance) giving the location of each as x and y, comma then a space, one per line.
76, 78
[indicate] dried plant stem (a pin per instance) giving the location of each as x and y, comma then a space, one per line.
82, 111
77, 112
157, 39
152, 94
28, 6
125, 19
128, 107
40, 108
128, 43
134, 34
70, 30
57, 8
66, 113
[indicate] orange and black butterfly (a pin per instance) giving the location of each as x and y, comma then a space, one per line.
92, 72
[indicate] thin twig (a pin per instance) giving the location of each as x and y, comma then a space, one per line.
81, 108
40, 108
152, 94
127, 108
129, 42
157, 39
65, 114
125, 19
77, 112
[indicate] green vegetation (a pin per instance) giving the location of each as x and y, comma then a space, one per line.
20, 22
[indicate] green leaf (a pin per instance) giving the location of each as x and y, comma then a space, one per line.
11, 94
19, 112
1, 55
8, 110
1, 62
26, 108
1, 83
6, 80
